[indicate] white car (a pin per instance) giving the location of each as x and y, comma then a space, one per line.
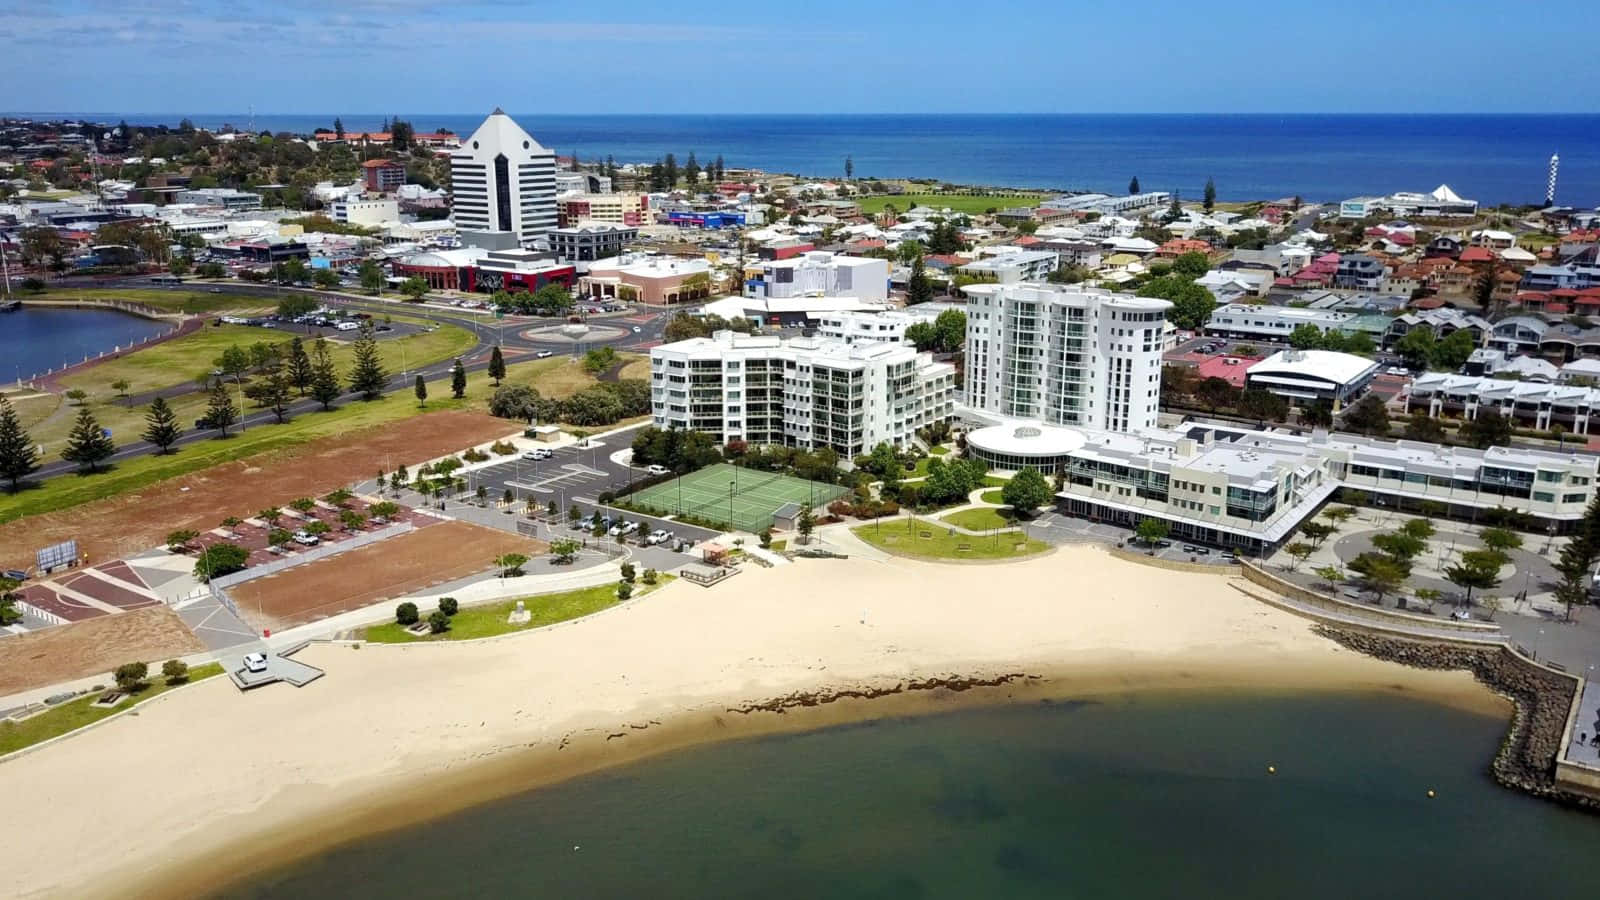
544, 354
306, 538
658, 536
657, 470
347, 326
637, 330
255, 662
630, 527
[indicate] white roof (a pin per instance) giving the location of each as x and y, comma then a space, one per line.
1517, 254
500, 130
1328, 365
1443, 194
1030, 439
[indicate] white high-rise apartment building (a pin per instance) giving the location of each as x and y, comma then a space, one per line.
801, 392
1064, 355
502, 180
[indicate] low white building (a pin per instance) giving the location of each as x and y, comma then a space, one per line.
823, 273
1304, 376
1274, 323
366, 211
801, 392
1014, 266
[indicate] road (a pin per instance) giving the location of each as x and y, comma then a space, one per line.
512, 333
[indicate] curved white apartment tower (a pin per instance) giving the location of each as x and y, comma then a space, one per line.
1064, 355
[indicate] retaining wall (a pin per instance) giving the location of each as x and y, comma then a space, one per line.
1176, 565
1257, 575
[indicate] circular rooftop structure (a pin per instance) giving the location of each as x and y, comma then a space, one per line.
1025, 445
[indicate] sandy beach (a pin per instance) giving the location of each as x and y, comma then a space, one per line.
205, 786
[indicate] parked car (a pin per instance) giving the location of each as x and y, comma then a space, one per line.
306, 538
255, 662
347, 326
544, 354
659, 536
637, 329
657, 470
630, 527
537, 453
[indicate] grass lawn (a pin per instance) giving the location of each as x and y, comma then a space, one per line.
960, 203
489, 619
71, 490
897, 538
184, 301
779, 546
994, 481
32, 408
980, 519
187, 358
939, 450
992, 497
78, 713
563, 376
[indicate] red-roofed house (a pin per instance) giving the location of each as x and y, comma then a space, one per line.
1179, 246
383, 175
1477, 255
1229, 368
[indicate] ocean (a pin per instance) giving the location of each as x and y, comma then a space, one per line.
35, 339
1490, 158
1152, 795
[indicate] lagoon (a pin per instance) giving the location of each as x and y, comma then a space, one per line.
34, 339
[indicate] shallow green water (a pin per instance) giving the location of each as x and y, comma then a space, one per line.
1150, 796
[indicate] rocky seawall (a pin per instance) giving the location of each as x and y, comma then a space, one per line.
1540, 698
952, 683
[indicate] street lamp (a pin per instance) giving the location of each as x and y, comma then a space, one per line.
731, 485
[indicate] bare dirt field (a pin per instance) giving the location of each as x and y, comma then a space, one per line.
392, 568
97, 645
201, 500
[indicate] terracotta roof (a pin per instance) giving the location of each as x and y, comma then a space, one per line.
1476, 254
1428, 303
381, 164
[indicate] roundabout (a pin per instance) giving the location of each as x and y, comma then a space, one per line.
574, 333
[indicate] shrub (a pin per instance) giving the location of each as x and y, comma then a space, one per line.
628, 572
131, 675
175, 670
448, 605
438, 622
218, 560
406, 613
650, 576
503, 448
178, 541
475, 455
766, 537
624, 590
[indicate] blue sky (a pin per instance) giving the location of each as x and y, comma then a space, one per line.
636, 56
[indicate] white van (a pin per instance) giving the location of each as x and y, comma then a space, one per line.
348, 326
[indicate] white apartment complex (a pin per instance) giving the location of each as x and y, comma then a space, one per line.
853, 326
366, 210
823, 274
1276, 323
1064, 355
1236, 487
801, 392
502, 180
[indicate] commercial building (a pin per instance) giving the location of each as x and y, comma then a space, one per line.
618, 209
485, 271
1108, 205
802, 392
854, 327
381, 176
710, 219
367, 211
227, 198
587, 243
503, 181
1271, 323
582, 183
1064, 355
1247, 489
1305, 376
822, 273
1441, 201
660, 280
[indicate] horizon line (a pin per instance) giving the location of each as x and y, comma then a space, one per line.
1298, 114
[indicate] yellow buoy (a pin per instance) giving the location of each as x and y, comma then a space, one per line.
1430, 794
1272, 770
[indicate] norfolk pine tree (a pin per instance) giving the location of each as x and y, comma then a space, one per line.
421, 390
220, 411
87, 445
161, 425
367, 376
299, 366
324, 377
19, 457
497, 365
458, 380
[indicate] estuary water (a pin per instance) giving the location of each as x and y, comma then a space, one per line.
1145, 796
34, 339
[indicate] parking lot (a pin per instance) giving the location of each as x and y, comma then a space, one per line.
1056, 528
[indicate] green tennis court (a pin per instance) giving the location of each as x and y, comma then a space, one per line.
751, 495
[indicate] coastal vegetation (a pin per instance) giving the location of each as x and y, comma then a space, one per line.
925, 539
75, 714
493, 619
